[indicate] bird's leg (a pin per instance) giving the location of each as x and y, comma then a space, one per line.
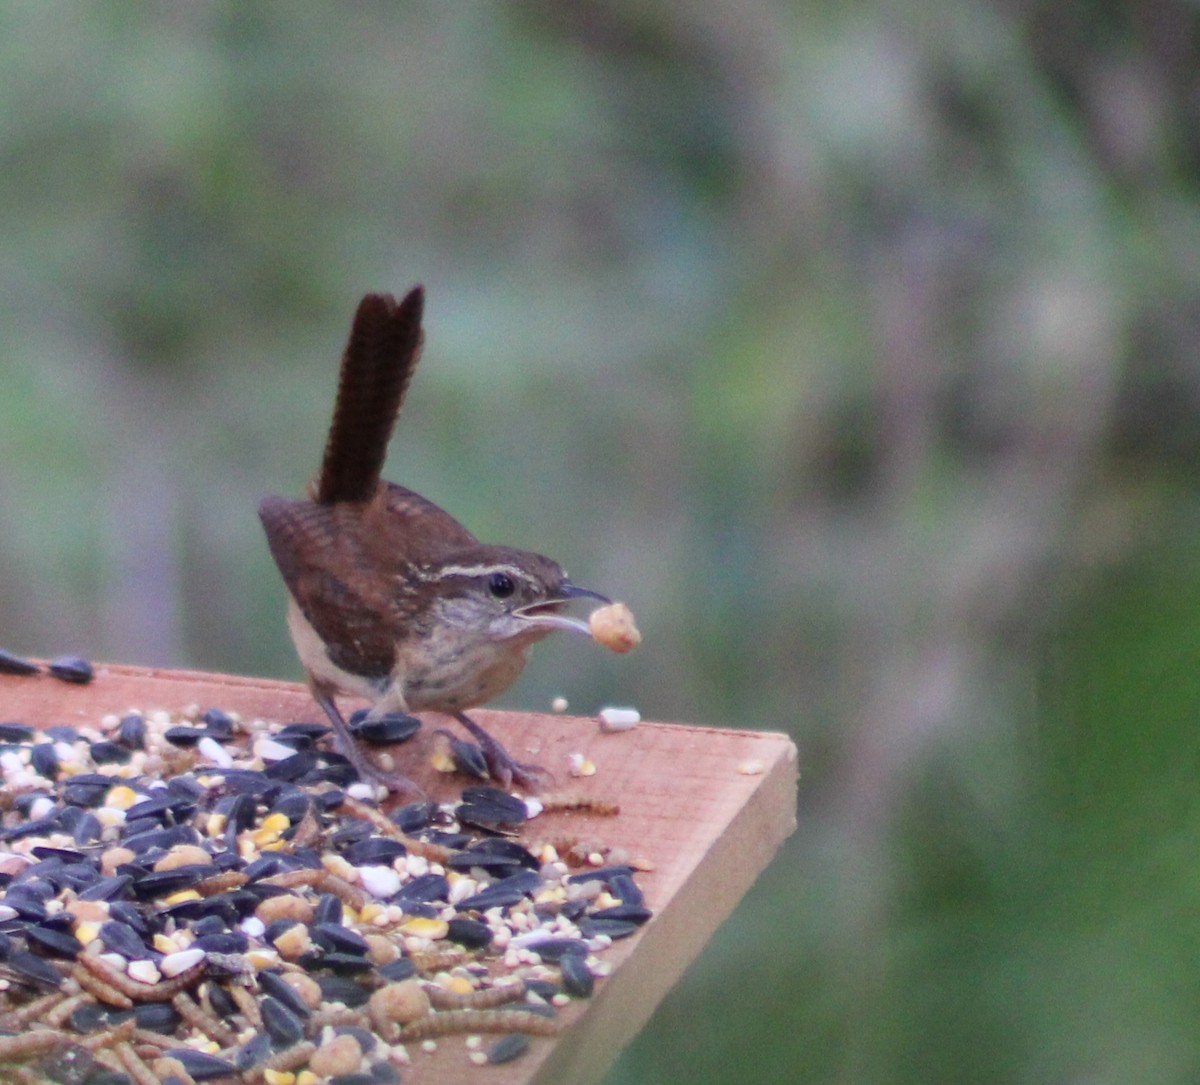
503, 768
345, 742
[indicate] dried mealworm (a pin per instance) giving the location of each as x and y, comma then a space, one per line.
437, 960
155, 1042
135, 1067
569, 802
31, 1011
220, 883
38, 1042
321, 880
162, 991
486, 998
247, 1003
101, 989
450, 1022
336, 1016
435, 853
57, 1017
110, 1036
195, 1015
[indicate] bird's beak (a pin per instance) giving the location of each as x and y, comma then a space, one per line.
547, 614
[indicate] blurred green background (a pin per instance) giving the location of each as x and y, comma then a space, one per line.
855, 345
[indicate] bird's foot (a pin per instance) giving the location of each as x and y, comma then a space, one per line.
501, 765
367, 770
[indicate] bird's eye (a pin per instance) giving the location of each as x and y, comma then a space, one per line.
501, 585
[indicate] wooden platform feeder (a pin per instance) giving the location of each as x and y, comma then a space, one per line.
706, 808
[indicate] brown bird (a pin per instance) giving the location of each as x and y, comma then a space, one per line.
390, 597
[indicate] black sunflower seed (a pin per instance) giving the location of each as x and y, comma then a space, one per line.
612, 928
56, 943
15, 732
15, 664
507, 1048
335, 988
34, 969
425, 887
499, 848
351, 833
628, 913
67, 855
470, 933
293, 805
39, 827
161, 883
28, 907
44, 759
254, 1051
110, 753
278, 988
89, 1017
577, 978
554, 949
387, 729
222, 1001
72, 669
384, 1073
87, 829
356, 1078
184, 735
85, 792
202, 1066
223, 941
292, 768
218, 723
342, 964
504, 893
156, 1017
110, 887
283, 1026
310, 731
544, 989
131, 732
399, 969
601, 874
339, 939
328, 909
626, 890
375, 851
415, 816
123, 939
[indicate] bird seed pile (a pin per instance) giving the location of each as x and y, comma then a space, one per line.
198, 898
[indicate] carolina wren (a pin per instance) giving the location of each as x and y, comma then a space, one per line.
390, 597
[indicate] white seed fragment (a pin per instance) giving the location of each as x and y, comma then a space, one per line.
533, 807
752, 767
618, 719
559, 704
209, 748
270, 750
379, 881
174, 963
143, 972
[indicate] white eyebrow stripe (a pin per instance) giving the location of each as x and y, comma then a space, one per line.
473, 571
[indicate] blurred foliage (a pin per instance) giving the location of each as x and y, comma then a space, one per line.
855, 346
